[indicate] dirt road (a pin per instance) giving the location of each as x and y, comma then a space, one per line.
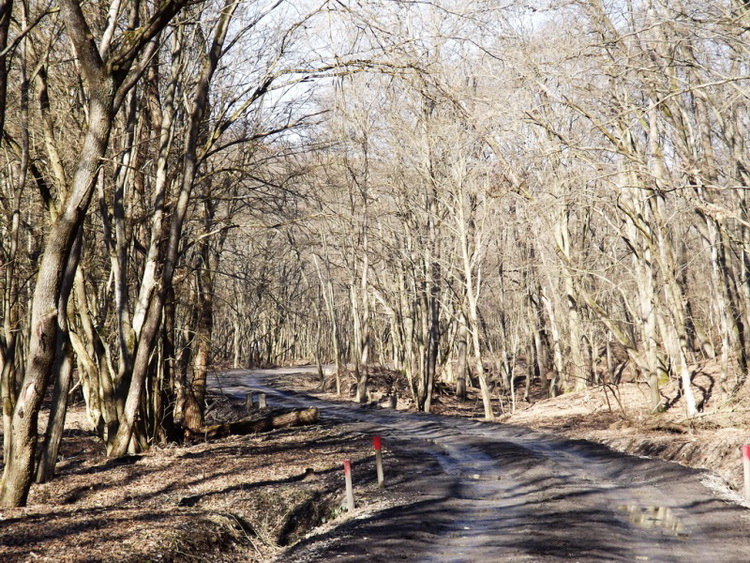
502, 493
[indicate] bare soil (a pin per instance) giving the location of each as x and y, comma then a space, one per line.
246, 498
617, 416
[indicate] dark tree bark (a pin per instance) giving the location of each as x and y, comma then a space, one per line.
44, 316
6, 9
205, 277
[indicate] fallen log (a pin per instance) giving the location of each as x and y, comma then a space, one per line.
263, 424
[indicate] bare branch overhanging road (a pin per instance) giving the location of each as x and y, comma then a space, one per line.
508, 493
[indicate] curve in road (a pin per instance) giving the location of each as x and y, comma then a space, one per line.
507, 493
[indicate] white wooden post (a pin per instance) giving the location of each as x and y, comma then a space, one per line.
378, 461
349, 486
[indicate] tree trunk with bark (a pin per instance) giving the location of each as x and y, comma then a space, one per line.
461, 349
44, 320
154, 310
102, 79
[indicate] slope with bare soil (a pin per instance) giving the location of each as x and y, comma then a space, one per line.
620, 418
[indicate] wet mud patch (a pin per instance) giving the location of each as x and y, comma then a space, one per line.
661, 517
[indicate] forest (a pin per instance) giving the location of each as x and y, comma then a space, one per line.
485, 193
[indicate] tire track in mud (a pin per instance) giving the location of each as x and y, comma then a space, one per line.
507, 493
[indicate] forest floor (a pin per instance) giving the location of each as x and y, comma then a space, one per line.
247, 498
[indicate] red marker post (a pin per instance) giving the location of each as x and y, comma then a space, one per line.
378, 461
349, 487
746, 468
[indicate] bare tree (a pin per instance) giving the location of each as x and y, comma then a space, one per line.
106, 76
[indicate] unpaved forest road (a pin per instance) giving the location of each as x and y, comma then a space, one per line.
505, 493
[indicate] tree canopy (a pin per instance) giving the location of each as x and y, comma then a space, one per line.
470, 193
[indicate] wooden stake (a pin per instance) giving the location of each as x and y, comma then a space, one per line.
262, 401
378, 461
349, 486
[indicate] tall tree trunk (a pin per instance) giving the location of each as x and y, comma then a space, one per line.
558, 364
578, 373
154, 310
461, 348
474, 328
432, 298
640, 237
210, 250
433, 341
18, 471
9, 308
328, 298
63, 370
101, 83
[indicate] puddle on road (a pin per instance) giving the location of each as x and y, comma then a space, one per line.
654, 517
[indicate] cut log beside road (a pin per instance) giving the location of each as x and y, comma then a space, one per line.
271, 421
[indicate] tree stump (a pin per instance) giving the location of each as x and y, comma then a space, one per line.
250, 402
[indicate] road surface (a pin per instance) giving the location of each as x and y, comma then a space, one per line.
507, 493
